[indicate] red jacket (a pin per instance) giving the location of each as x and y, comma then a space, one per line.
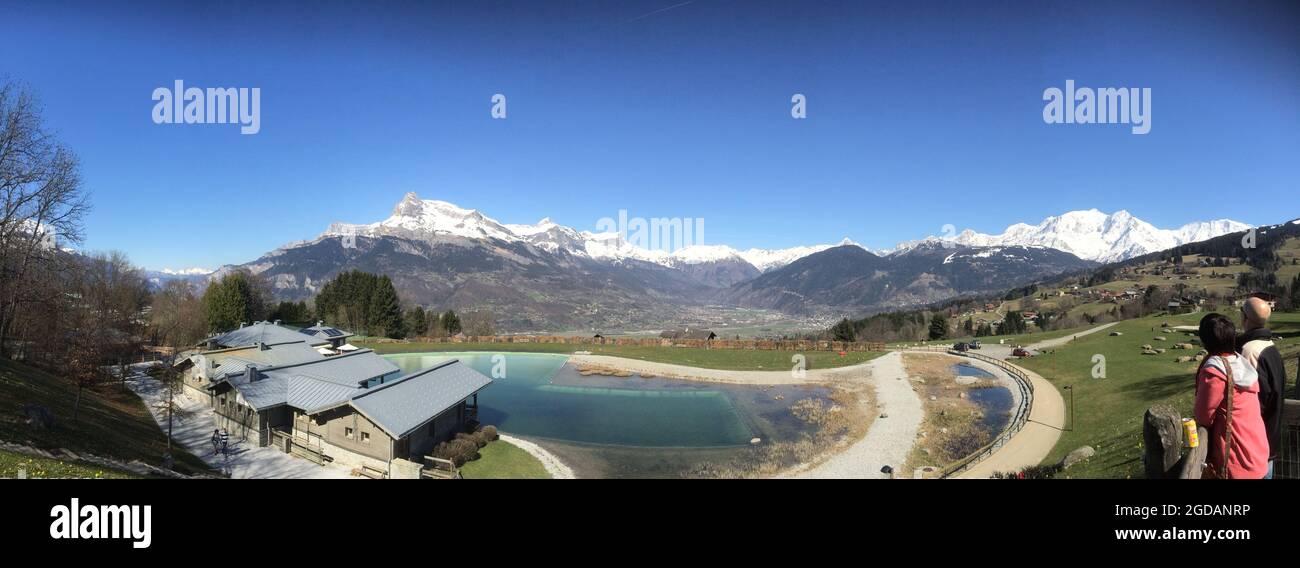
1248, 457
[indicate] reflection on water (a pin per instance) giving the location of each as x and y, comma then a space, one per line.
994, 402
632, 426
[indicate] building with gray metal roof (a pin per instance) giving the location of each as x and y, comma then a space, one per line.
356, 408
261, 332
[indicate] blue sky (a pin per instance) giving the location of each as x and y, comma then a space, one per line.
920, 114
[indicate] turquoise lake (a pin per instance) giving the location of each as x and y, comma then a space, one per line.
539, 395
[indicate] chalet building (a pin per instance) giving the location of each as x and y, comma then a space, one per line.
261, 332
356, 408
200, 368
313, 397
337, 338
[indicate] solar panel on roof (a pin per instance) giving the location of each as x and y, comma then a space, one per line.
333, 332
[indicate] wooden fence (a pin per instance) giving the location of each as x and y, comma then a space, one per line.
744, 344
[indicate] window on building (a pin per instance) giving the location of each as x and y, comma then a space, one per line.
365, 437
347, 432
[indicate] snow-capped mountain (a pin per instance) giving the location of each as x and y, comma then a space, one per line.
535, 276
427, 219
195, 271
1093, 235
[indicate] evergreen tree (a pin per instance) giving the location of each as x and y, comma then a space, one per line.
843, 331
938, 327
235, 299
417, 321
1295, 293
363, 302
1013, 324
385, 313
451, 323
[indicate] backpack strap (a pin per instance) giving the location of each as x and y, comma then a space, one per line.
1228, 395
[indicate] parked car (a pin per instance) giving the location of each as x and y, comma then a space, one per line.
960, 346
1020, 352
974, 344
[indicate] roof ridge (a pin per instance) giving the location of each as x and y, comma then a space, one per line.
403, 378
316, 361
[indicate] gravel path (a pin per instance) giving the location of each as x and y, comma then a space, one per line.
889, 440
553, 465
670, 370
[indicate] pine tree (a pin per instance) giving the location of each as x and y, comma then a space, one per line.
234, 300
385, 313
938, 327
451, 323
416, 321
843, 331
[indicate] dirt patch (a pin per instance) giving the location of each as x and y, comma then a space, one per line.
588, 370
951, 429
840, 421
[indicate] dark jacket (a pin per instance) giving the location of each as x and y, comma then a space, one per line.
1272, 382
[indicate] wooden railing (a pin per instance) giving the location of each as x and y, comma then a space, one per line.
1288, 462
1164, 457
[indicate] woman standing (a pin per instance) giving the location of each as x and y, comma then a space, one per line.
1227, 404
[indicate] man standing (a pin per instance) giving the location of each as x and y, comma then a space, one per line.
216, 442
1258, 349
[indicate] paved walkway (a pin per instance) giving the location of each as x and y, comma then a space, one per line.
889, 440
245, 461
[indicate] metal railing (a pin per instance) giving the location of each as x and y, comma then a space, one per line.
1017, 422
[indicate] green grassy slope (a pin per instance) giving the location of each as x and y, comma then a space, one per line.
1109, 410
113, 421
502, 460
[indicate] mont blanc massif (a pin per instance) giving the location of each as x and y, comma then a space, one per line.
549, 277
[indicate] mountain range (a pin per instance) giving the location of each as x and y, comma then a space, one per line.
547, 276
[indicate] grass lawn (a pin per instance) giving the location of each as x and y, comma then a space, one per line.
729, 359
1018, 339
1109, 410
503, 460
43, 468
113, 421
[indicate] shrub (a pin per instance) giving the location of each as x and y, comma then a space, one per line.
458, 450
1031, 472
490, 433
474, 438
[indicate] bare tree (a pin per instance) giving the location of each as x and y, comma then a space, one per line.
173, 387
41, 200
176, 316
